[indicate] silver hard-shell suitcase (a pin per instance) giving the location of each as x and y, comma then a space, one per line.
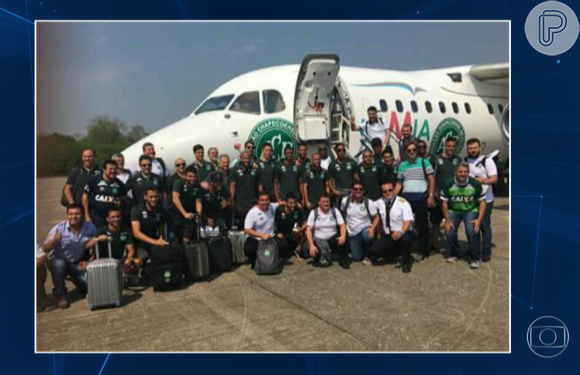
237, 238
104, 281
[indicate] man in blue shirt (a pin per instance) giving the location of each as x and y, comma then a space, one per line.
66, 245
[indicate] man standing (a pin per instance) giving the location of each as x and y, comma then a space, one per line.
369, 175
290, 225
149, 221
264, 168
422, 149
373, 127
143, 180
359, 214
79, 177
389, 167
463, 200
444, 169
102, 193
325, 160
215, 202
313, 182
484, 171
377, 147
340, 175
157, 164
406, 138
186, 198
122, 173
65, 244
212, 154
203, 167
417, 185
326, 234
259, 225
302, 160
178, 175
287, 176
396, 216
243, 188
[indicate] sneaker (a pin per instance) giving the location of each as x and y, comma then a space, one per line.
298, 254
63, 303
486, 258
367, 262
344, 263
451, 259
474, 264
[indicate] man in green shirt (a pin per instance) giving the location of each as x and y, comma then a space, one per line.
463, 200
444, 169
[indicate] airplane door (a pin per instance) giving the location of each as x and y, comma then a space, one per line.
313, 96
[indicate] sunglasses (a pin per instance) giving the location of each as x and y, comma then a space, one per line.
148, 165
180, 165
357, 189
388, 190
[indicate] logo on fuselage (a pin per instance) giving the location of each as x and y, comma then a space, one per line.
278, 132
447, 128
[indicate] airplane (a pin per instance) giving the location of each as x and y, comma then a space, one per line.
313, 103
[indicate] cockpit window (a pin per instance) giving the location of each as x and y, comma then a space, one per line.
248, 102
217, 103
273, 101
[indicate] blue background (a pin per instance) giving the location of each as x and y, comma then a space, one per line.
545, 126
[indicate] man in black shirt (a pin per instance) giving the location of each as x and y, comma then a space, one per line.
314, 182
340, 175
243, 188
302, 160
203, 167
78, 178
264, 168
143, 180
215, 201
388, 167
151, 225
290, 225
368, 174
178, 175
186, 197
102, 193
287, 176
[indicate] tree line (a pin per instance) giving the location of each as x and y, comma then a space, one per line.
58, 153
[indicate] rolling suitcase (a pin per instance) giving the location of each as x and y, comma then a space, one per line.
196, 259
104, 281
237, 239
220, 254
167, 266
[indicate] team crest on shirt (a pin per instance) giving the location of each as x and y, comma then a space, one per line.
283, 215
337, 168
440, 161
295, 168
208, 167
144, 213
240, 172
362, 208
261, 164
185, 188
154, 182
139, 180
253, 173
283, 168
322, 176
311, 174
123, 236
362, 169
374, 168
348, 166
115, 190
455, 161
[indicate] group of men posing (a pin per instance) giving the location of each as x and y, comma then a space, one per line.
368, 211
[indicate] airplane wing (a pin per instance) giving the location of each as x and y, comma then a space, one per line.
494, 73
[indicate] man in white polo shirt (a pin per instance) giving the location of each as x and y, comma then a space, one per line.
359, 213
484, 171
326, 234
396, 216
259, 225
373, 127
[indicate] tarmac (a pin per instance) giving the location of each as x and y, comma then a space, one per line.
438, 307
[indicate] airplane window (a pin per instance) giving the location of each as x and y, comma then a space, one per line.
500, 107
467, 108
383, 105
399, 106
414, 106
455, 107
490, 108
248, 102
273, 101
428, 107
217, 103
442, 107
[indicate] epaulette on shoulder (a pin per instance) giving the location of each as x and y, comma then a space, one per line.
402, 200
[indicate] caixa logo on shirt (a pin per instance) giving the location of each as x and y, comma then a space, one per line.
104, 198
462, 199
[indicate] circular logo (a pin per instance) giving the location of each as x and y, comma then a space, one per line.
552, 28
548, 337
276, 131
447, 128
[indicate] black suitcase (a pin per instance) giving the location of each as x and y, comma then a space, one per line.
167, 266
196, 260
220, 254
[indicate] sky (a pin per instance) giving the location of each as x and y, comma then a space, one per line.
153, 74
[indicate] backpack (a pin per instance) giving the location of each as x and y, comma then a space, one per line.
267, 259
365, 202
